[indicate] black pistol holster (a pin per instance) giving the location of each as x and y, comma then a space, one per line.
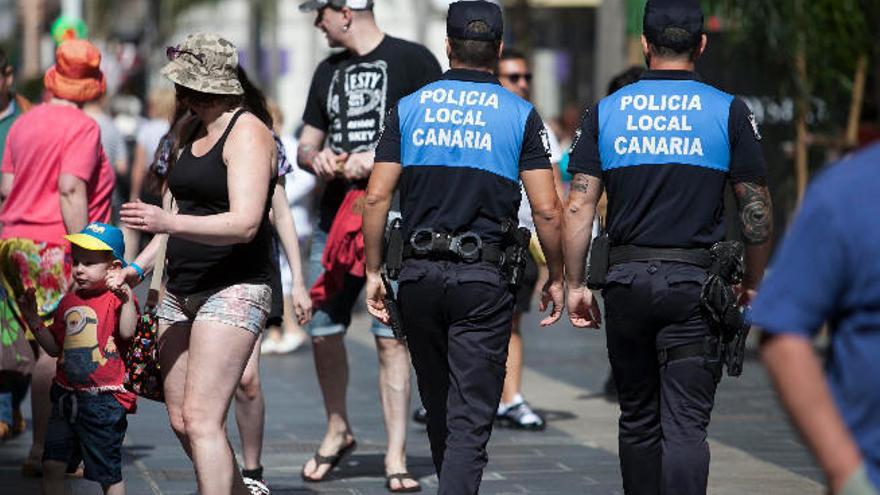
600, 258
720, 305
516, 240
393, 264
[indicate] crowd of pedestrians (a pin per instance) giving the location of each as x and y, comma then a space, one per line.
216, 201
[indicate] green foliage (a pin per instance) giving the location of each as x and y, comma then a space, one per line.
831, 34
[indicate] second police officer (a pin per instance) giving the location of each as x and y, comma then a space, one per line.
458, 148
664, 148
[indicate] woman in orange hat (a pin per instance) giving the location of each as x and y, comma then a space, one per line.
56, 179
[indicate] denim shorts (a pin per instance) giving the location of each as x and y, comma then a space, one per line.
89, 428
243, 305
334, 317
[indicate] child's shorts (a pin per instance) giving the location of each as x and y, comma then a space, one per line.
89, 428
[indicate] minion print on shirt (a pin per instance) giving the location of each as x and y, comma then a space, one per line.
82, 354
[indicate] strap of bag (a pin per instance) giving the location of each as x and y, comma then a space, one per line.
159, 265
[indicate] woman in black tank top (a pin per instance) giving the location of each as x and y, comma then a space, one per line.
219, 250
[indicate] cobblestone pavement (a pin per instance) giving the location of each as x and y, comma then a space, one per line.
753, 449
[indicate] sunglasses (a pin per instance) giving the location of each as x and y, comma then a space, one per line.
515, 77
172, 52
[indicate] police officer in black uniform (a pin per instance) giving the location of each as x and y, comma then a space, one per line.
664, 147
458, 148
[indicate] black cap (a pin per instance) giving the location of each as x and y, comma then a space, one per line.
683, 14
463, 13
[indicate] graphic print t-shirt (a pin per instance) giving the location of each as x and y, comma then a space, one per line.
85, 328
350, 96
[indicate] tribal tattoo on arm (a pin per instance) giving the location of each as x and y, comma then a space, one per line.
755, 211
580, 183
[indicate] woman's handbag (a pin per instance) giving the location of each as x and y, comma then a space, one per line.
142, 371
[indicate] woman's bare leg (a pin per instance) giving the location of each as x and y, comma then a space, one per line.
250, 411
218, 354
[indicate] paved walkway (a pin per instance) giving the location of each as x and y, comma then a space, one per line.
753, 448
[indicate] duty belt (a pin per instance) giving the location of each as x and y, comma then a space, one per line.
698, 256
467, 247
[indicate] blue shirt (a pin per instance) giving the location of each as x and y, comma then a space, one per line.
828, 269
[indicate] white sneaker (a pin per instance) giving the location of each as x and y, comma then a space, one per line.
269, 346
256, 487
289, 343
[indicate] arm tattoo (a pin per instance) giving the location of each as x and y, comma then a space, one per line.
580, 183
755, 213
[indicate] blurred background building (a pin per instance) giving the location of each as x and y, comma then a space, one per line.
808, 69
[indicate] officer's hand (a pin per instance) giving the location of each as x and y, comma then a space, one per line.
327, 164
376, 299
359, 165
583, 311
553, 292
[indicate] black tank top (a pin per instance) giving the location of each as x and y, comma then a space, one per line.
199, 186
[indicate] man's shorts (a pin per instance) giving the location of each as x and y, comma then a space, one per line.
526, 291
334, 317
242, 305
89, 428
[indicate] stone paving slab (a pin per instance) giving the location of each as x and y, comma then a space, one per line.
753, 447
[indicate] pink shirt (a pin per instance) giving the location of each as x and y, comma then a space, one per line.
44, 143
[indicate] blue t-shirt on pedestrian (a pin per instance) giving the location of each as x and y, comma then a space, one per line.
828, 270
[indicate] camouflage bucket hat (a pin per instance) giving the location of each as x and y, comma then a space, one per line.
204, 62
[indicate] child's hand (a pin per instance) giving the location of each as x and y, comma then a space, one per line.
27, 303
122, 291
302, 304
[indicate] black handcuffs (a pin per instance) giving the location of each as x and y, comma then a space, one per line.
467, 246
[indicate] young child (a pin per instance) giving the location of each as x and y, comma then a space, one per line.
89, 402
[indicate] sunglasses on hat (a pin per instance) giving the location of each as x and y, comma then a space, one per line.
172, 52
514, 77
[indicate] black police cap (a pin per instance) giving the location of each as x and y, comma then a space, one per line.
463, 13
683, 14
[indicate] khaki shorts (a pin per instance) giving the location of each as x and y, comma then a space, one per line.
244, 305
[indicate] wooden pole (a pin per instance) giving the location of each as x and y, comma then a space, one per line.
858, 98
801, 151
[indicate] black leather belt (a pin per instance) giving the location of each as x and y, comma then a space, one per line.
699, 257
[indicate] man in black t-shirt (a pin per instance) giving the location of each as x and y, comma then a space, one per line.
664, 148
351, 93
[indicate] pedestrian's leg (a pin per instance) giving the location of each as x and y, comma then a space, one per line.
250, 411
331, 365
41, 406
394, 392
114, 489
173, 355
513, 378
633, 355
481, 310
210, 385
53, 477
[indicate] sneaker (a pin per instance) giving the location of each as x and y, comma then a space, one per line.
520, 416
269, 346
256, 487
290, 343
420, 415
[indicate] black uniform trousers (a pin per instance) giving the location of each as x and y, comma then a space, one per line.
457, 318
664, 409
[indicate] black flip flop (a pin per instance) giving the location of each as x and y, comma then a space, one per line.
331, 460
401, 477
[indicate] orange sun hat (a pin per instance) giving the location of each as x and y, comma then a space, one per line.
76, 75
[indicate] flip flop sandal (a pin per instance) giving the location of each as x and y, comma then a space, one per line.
332, 461
401, 477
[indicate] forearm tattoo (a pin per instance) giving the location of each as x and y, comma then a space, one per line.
755, 211
580, 183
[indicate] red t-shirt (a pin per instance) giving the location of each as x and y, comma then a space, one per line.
87, 330
44, 143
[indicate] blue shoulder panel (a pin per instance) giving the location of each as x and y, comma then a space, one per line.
463, 124
656, 122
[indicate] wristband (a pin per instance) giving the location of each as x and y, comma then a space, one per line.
138, 269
